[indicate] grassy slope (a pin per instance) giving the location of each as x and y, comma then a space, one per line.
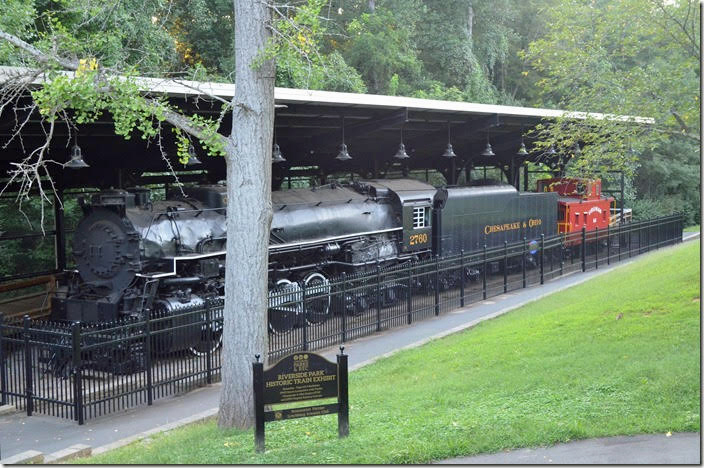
616, 355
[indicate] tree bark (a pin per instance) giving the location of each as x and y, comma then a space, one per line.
470, 20
372, 6
249, 214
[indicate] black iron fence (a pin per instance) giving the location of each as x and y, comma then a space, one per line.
80, 371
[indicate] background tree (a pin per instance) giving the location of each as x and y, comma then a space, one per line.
631, 57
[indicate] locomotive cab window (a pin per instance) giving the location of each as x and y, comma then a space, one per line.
420, 217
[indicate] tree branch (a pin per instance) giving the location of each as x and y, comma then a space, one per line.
175, 118
39, 56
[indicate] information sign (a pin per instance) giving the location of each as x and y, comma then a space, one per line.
297, 377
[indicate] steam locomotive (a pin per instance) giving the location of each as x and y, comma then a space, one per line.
135, 254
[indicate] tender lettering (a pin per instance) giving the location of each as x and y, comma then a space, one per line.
492, 228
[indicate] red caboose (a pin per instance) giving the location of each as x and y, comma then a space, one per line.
580, 204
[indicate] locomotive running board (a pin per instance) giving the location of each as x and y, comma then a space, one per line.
271, 248
330, 239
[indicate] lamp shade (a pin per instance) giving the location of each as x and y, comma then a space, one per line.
401, 153
276, 156
488, 151
76, 161
343, 155
449, 152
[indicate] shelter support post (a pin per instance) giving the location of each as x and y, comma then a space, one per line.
60, 228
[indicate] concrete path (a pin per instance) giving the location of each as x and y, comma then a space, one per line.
19, 433
678, 449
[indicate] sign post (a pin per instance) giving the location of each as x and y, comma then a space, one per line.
297, 377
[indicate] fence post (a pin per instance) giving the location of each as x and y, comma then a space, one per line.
209, 340
258, 384
630, 238
305, 318
608, 244
505, 266
77, 372
437, 285
596, 248
378, 297
484, 275
27, 365
148, 354
409, 304
542, 259
523, 261
657, 234
3, 374
461, 277
647, 236
562, 254
344, 306
584, 248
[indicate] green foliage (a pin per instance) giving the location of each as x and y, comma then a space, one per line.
29, 255
16, 17
632, 57
668, 181
203, 32
575, 365
380, 48
125, 34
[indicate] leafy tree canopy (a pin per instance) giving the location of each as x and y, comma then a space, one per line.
631, 57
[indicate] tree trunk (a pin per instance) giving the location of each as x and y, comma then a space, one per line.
248, 215
372, 6
470, 20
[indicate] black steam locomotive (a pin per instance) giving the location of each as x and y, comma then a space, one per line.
134, 254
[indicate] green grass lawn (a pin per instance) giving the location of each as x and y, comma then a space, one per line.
616, 355
695, 228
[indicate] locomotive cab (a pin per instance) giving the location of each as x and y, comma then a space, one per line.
414, 200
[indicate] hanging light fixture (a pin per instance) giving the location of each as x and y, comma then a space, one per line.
488, 152
192, 158
401, 153
449, 152
276, 156
343, 155
576, 150
551, 151
76, 161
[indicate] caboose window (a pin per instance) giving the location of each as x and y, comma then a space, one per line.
419, 217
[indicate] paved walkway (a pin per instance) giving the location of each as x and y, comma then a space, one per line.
677, 449
19, 433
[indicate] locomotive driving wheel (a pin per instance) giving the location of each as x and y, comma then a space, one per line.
208, 342
317, 298
285, 306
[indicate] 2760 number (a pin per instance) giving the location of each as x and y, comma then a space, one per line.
416, 239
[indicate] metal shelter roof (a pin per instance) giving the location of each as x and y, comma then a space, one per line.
308, 129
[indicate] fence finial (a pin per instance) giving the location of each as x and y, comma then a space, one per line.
257, 356
342, 350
